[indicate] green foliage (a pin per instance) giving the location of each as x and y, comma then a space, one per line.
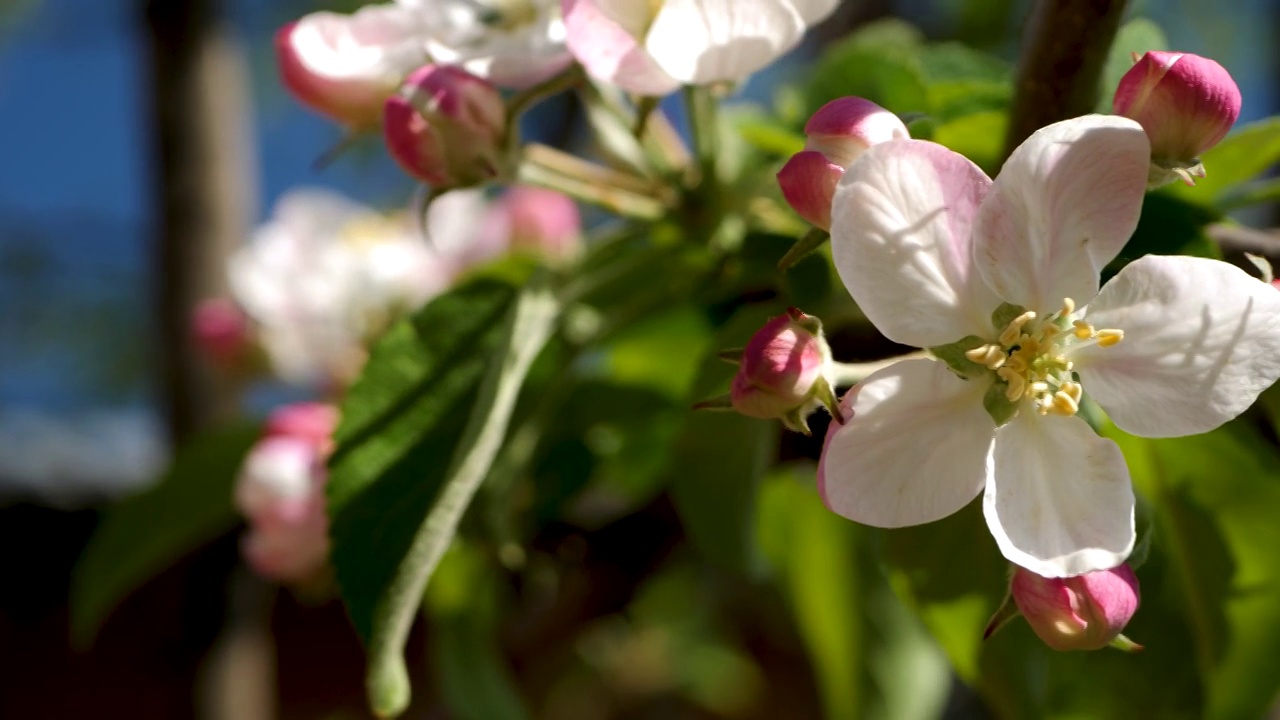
139, 537
1246, 153
420, 430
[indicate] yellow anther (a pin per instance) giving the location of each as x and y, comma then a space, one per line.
1109, 337
1084, 330
1039, 386
1014, 329
1068, 307
1048, 331
978, 354
1064, 404
1017, 385
1074, 390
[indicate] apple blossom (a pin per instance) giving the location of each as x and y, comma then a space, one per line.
324, 276
1185, 103
837, 134
654, 47
783, 372
280, 490
445, 126
346, 66
510, 43
984, 273
1085, 612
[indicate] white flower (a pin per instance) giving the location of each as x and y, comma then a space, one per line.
651, 47
512, 43
324, 275
996, 276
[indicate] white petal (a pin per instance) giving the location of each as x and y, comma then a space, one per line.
1062, 207
705, 41
1201, 340
914, 449
1060, 502
900, 237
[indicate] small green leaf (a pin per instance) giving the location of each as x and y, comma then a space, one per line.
997, 403
144, 534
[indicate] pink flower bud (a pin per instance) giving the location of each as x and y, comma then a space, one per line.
1185, 103
346, 66
837, 134
781, 367
280, 490
535, 220
445, 126
1085, 612
221, 331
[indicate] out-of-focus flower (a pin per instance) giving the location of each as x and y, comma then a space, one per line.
535, 220
1085, 612
221, 331
280, 491
783, 371
346, 66
837, 133
938, 256
445, 127
324, 276
651, 48
510, 43
1185, 103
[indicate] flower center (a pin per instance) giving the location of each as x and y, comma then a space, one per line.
1032, 356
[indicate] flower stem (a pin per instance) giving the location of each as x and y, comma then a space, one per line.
849, 374
1063, 54
618, 192
525, 99
700, 105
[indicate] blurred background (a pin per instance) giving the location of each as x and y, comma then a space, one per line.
142, 140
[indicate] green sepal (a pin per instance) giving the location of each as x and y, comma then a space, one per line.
1003, 315
1122, 643
1007, 611
997, 404
720, 402
805, 245
824, 393
953, 356
733, 356
797, 421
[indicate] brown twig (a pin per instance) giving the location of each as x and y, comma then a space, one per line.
1064, 50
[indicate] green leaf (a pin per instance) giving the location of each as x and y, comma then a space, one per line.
1218, 497
1139, 35
880, 62
719, 459
978, 136
439, 385
144, 534
813, 551
1169, 225
1242, 156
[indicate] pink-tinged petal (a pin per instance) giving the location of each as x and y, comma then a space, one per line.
605, 36
1063, 206
345, 66
706, 41
845, 127
808, 182
901, 225
1201, 341
1059, 502
913, 448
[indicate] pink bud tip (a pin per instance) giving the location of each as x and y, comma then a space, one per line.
445, 126
537, 220
1184, 102
221, 330
780, 367
1085, 612
845, 127
808, 182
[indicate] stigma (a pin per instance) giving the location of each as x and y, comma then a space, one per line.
1031, 355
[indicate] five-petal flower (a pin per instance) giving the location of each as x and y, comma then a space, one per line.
989, 274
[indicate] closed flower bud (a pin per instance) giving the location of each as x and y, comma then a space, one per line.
346, 66
1185, 103
280, 491
445, 127
221, 331
1086, 612
837, 134
782, 368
